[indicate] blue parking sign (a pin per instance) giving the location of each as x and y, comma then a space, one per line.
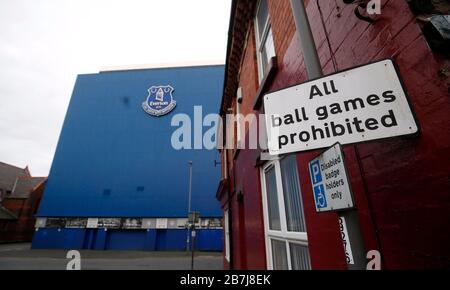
316, 173
329, 181
320, 196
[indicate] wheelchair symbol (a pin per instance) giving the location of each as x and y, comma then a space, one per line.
321, 200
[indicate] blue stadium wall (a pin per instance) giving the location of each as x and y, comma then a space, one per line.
114, 160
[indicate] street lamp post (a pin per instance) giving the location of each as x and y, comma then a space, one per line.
190, 186
189, 205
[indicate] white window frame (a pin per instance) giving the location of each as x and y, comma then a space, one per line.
227, 235
261, 42
284, 235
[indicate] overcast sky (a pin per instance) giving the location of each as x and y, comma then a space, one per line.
44, 44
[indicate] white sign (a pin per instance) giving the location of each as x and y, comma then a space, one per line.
360, 104
346, 241
331, 188
40, 222
148, 223
92, 223
161, 223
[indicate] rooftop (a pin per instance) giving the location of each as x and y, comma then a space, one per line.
9, 174
25, 186
160, 65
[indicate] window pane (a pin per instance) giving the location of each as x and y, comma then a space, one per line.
299, 257
261, 18
272, 200
263, 61
292, 196
279, 256
267, 51
269, 46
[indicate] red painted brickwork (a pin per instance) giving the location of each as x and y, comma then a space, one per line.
401, 185
407, 184
283, 26
248, 80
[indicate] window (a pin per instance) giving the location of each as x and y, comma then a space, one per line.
264, 38
227, 236
286, 238
272, 199
291, 190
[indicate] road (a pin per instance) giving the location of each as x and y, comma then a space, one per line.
21, 257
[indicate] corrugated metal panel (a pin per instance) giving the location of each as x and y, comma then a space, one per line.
109, 144
148, 240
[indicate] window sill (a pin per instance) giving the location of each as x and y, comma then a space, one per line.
271, 69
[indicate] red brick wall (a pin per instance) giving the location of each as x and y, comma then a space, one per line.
283, 26
248, 79
401, 185
406, 182
247, 242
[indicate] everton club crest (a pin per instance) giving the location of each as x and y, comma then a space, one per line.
159, 101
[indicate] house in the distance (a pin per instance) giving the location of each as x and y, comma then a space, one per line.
20, 195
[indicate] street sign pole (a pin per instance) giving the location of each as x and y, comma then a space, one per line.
314, 70
332, 192
193, 235
193, 218
350, 220
307, 43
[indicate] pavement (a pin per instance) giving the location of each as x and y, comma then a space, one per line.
22, 257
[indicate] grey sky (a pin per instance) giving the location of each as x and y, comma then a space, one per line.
44, 44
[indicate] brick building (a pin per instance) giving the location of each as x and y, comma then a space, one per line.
400, 185
20, 196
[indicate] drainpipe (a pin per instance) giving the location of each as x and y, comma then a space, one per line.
314, 70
